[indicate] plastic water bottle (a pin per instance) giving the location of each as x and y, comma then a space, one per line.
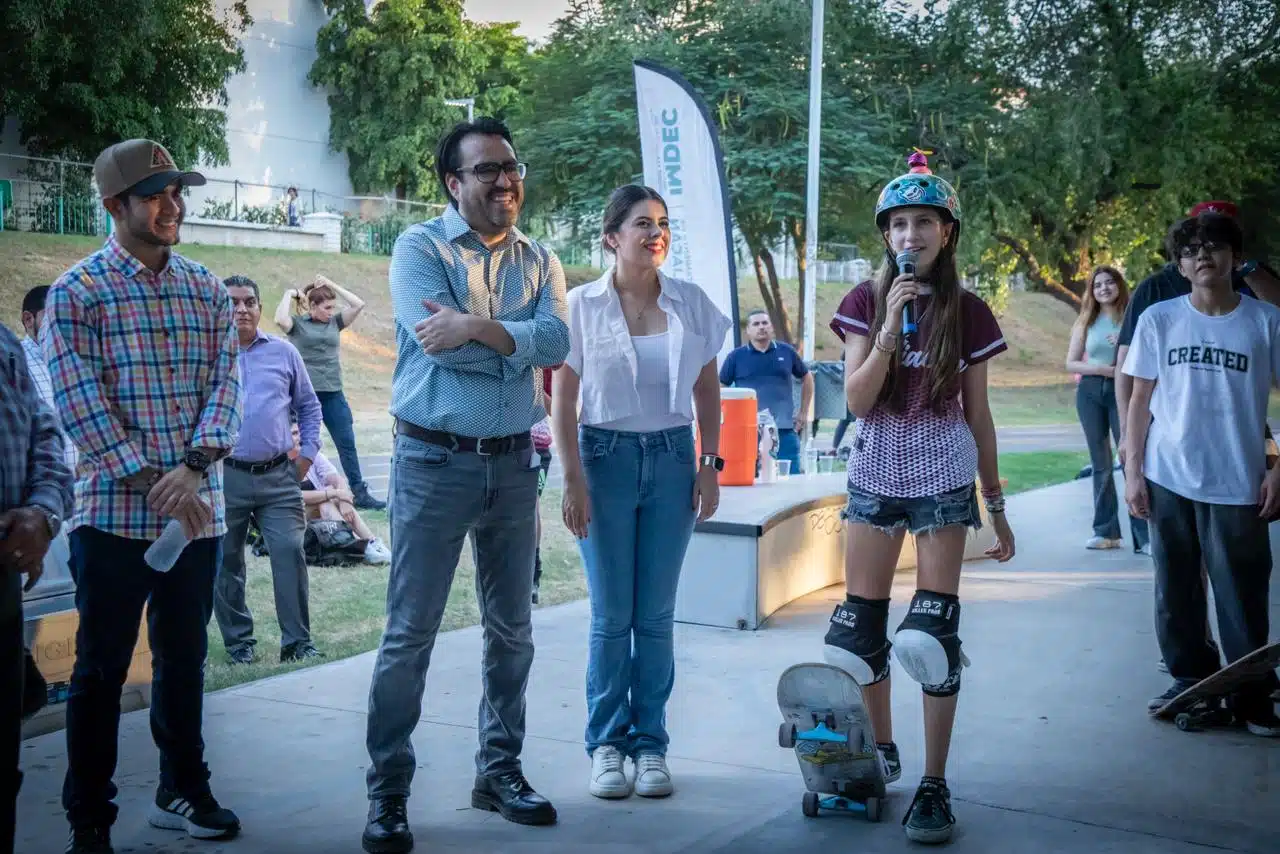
166, 550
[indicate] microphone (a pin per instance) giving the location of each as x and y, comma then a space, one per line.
906, 261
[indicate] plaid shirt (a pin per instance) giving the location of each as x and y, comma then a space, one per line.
32, 470
40, 377
144, 368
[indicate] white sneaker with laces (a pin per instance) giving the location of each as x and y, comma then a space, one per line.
376, 553
608, 776
653, 780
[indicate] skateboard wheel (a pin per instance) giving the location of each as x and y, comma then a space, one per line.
873, 809
1183, 722
809, 804
787, 735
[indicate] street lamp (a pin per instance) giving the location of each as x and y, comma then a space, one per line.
469, 103
811, 189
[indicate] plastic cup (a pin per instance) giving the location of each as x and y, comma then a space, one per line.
784, 468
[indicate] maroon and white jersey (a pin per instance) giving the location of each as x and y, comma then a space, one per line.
917, 452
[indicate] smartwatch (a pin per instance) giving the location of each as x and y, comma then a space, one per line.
712, 460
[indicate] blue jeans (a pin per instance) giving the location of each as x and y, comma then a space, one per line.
336, 414
640, 489
1099, 417
789, 448
436, 497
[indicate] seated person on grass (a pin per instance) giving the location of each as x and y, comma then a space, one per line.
326, 495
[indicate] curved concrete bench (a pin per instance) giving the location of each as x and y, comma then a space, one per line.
770, 544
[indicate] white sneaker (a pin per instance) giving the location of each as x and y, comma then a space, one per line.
608, 776
653, 780
1102, 543
376, 553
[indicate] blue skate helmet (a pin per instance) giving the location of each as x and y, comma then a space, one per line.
918, 188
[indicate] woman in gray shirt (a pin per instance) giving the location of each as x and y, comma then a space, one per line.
315, 327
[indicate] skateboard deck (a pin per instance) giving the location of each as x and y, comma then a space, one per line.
825, 721
1193, 709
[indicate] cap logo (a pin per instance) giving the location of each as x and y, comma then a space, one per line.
160, 158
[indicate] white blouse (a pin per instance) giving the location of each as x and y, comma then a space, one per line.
603, 355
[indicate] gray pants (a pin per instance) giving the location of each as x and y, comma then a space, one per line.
274, 499
435, 498
1233, 543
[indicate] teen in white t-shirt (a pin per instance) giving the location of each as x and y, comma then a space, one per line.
1203, 366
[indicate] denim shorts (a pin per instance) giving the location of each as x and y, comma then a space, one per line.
917, 515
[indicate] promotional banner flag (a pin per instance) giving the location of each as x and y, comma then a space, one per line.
683, 162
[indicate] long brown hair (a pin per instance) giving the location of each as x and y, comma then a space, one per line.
1090, 308
945, 327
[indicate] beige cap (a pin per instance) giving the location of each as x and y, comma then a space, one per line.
141, 166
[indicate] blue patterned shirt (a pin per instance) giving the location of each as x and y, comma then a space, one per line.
472, 390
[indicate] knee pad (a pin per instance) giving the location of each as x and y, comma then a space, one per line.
927, 643
858, 640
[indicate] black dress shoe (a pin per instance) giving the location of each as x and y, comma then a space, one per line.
388, 829
511, 795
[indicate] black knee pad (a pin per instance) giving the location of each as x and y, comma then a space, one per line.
927, 643
858, 640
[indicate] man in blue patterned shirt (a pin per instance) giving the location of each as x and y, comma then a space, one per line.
479, 307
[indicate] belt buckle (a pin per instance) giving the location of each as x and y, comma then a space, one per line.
482, 444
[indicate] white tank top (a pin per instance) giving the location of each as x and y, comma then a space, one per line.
653, 384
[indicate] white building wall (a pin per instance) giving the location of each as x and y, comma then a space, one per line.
277, 123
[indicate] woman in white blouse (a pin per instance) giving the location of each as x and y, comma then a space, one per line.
642, 362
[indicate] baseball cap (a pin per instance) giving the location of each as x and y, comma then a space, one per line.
1218, 207
141, 166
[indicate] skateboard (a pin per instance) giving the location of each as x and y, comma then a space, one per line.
1202, 704
825, 721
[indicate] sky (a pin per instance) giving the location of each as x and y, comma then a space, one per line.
535, 16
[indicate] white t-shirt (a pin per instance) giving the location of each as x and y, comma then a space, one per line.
1209, 407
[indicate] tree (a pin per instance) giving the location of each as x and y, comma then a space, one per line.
389, 75
80, 75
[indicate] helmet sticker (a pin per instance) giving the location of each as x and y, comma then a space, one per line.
912, 193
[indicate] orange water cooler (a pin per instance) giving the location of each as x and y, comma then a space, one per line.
738, 442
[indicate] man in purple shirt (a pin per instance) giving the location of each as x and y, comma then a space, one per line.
262, 483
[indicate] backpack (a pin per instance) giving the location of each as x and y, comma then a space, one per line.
330, 542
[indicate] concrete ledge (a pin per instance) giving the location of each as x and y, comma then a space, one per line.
321, 232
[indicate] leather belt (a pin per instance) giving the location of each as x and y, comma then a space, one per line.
487, 446
257, 468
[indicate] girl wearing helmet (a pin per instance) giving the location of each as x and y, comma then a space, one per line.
924, 435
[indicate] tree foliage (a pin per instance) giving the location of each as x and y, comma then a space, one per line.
79, 75
388, 74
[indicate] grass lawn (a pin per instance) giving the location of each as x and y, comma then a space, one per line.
348, 604
1034, 469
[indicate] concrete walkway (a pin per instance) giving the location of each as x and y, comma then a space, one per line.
1053, 747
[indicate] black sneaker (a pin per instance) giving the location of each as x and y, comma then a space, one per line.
929, 818
365, 501
387, 831
89, 840
201, 817
300, 651
890, 762
1178, 686
242, 655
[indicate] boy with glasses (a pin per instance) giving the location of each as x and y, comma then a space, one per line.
1202, 367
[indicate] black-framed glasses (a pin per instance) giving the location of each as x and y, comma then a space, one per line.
487, 173
1191, 250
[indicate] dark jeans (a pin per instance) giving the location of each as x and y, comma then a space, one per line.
337, 420
1233, 543
841, 426
1096, 406
12, 665
113, 584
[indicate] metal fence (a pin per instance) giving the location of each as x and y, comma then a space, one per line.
58, 197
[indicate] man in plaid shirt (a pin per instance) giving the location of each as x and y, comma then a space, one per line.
35, 492
142, 354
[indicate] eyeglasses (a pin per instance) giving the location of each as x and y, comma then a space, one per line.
487, 173
1191, 250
